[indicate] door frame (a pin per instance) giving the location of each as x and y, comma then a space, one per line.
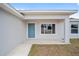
35, 30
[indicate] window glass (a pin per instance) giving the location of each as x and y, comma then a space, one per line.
53, 28
74, 28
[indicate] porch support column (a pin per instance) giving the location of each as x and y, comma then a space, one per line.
66, 34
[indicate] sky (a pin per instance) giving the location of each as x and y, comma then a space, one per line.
47, 6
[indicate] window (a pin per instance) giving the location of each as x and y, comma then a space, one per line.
74, 28
47, 28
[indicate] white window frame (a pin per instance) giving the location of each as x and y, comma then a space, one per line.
52, 31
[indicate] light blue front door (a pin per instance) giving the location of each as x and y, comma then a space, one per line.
31, 30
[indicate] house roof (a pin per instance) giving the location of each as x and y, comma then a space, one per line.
11, 10
76, 15
59, 12
21, 13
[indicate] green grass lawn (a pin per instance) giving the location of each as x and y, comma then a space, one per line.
56, 49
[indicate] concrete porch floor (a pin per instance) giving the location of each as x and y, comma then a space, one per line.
24, 48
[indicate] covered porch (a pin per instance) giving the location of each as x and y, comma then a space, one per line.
60, 18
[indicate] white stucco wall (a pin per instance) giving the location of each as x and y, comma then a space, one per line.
59, 26
12, 32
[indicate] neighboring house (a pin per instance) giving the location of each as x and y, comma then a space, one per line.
17, 26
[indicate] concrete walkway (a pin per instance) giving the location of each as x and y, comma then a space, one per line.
21, 50
24, 48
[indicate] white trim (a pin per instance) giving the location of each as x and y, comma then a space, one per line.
66, 12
